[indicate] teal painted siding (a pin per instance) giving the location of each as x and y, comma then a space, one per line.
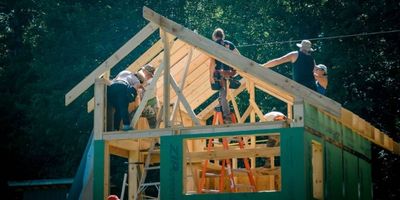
333, 172
98, 173
350, 170
364, 174
292, 165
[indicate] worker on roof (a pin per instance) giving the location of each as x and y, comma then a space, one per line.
321, 78
303, 64
123, 90
220, 73
151, 108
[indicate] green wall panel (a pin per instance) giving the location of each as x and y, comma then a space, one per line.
333, 172
356, 142
350, 176
332, 129
98, 171
311, 117
322, 123
292, 166
171, 167
365, 179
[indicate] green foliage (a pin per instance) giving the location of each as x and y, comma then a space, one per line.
47, 47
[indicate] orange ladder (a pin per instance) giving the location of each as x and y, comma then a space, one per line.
226, 165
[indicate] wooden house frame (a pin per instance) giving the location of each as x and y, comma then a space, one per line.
181, 58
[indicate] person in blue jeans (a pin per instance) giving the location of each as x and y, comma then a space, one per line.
321, 78
220, 73
303, 64
123, 90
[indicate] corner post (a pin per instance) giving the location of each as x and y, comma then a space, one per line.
166, 61
298, 113
99, 109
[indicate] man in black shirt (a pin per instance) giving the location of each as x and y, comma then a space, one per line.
303, 64
219, 73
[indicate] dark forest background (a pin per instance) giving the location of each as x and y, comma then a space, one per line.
48, 46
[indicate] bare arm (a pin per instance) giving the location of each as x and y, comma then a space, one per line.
236, 51
290, 57
212, 69
322, 80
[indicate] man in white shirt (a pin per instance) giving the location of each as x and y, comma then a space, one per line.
121, 92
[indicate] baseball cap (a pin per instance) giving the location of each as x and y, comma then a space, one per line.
306, 45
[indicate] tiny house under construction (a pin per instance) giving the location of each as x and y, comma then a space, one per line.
321, 151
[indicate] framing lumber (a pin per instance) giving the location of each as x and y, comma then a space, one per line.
231, 97
147, 94
106, 169
119, 152
234, 153
145, 58
208, 111
155, 133
110, 62
133, 174
192, 83
182, 98
99, 112
241, 63
182, 83
166, 63
150, 54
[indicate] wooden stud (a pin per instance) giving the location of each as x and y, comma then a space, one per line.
239, 62
152, 52
250, 88
110, 62
182, 83
133, 174
246, 114
184, 101
106, 170
208, 111
289, 111
257, 110
298, 111
166, 63
147, 95
317, 170
235, 106
99, 112
118, 151
234, 153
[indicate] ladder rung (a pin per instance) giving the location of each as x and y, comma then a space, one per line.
210, 191
150, 184
152, 168
145, 197
244, 186
240, 170
212, 175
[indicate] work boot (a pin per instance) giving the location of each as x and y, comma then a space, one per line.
127, 128
227, 120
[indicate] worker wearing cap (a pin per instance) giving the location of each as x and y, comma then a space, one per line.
321, 78
303, 64
151, 108
123, 90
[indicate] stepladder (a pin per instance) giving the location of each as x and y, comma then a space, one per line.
149, 187
228, 174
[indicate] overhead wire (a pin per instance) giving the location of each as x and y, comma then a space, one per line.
321, 38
